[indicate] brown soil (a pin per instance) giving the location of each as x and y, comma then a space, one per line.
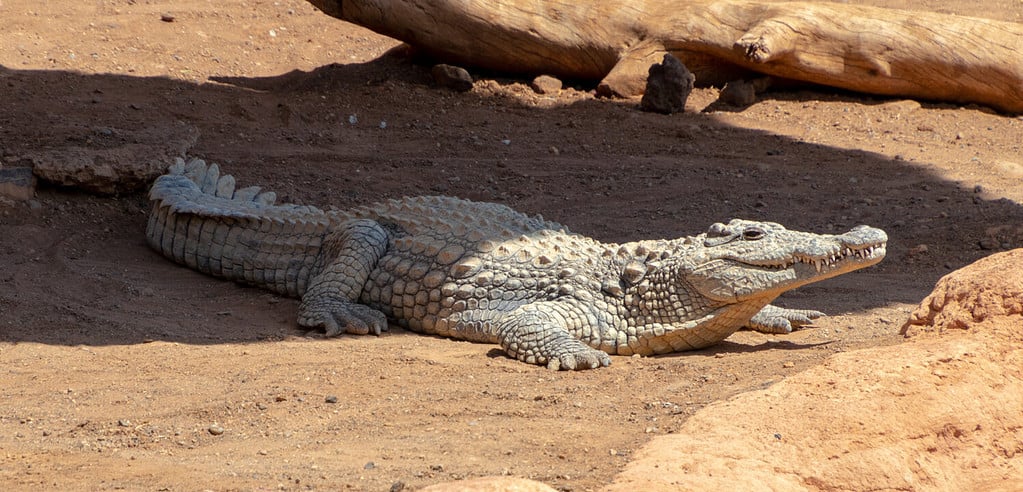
120, 369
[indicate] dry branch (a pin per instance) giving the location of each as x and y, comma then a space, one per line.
879, 51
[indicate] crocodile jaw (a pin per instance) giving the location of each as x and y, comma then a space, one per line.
733, 278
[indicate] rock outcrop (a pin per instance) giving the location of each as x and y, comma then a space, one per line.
112, 160
941, 411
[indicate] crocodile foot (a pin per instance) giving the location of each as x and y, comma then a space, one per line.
581, 358
536, 333
774, 319
337, 318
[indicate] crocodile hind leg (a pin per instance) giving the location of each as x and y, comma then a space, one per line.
774, 319
331, 301
539, 333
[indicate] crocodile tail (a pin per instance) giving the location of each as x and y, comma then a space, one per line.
199, 219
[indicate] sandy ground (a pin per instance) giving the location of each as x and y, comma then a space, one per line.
120, 370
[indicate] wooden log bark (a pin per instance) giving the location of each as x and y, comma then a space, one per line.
888, 52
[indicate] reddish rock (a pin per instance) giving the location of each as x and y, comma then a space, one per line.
545, 84
939, 412
490, 484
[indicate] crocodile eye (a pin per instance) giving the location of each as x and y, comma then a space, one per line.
753, 234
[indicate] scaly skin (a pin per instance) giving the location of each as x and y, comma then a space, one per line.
485, 273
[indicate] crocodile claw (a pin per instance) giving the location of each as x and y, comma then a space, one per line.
578, 361
355, 319
774, 319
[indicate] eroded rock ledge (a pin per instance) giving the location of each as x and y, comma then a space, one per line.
939, 412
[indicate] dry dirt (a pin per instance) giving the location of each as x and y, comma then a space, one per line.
120, 370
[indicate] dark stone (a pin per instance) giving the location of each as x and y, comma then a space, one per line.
17, 183
738, 93
452, 77
667, 87
742, 93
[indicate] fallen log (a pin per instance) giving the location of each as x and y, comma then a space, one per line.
889, 52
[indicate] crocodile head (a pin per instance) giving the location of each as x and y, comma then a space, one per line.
744, 260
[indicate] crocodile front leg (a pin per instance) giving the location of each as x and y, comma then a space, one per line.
774, 319
350, 253
541, 333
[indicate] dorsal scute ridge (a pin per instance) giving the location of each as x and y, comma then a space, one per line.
197, 188
178, 167
266, 198
454, 216
246, 194
195, 170
225, 187
210, 179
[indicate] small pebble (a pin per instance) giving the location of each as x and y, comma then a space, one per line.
452, 77
166, 17
215, 430
989, 243
330, 399
738, 93
545, 84
369, 466
918, 249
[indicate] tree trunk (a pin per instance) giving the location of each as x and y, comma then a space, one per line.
879, 51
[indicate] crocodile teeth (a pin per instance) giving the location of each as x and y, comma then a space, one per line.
829, 261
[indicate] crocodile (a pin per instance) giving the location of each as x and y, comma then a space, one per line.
485, 273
